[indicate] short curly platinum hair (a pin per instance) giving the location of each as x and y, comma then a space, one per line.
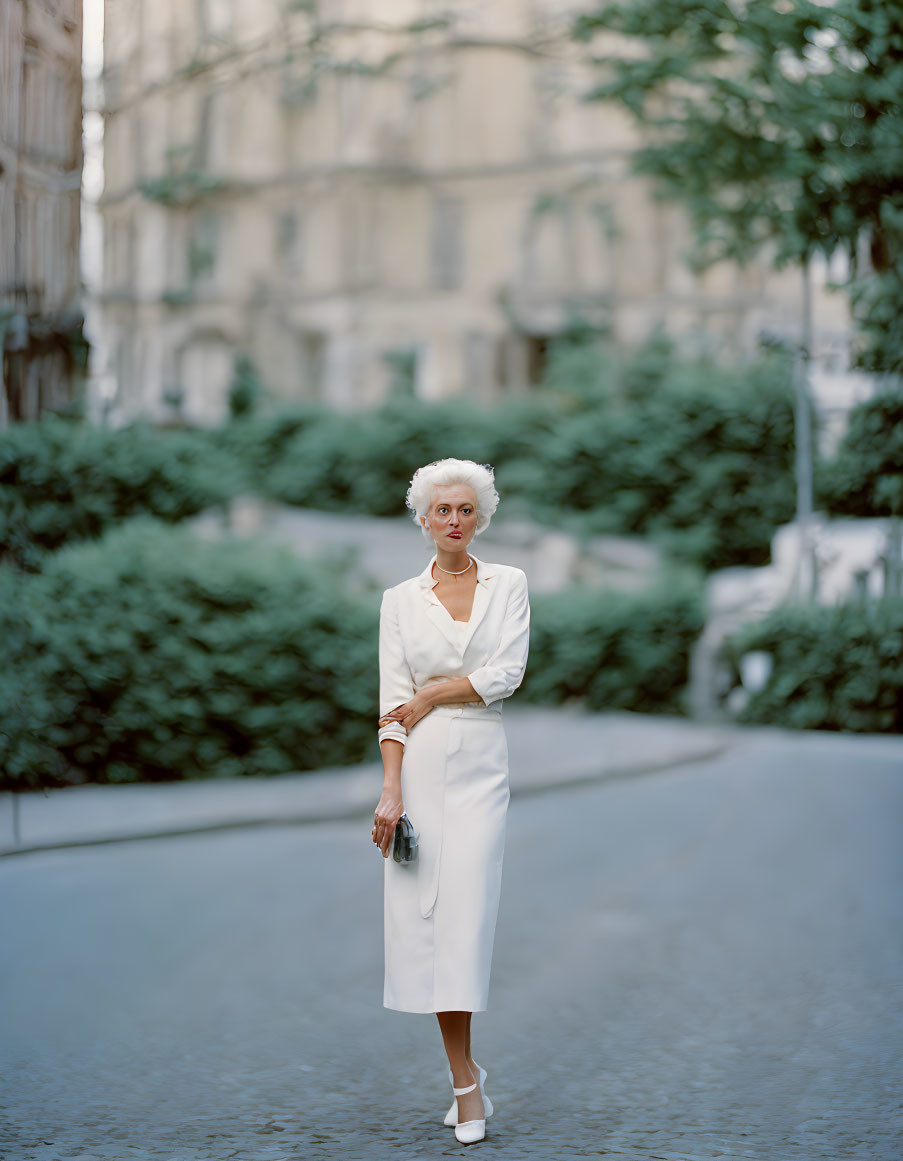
480, 477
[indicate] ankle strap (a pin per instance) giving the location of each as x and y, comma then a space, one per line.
463, 1091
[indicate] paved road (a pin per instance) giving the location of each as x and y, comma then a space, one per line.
702, 963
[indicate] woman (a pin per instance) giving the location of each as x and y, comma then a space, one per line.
452, 645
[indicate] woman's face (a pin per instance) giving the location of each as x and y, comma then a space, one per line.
452, 518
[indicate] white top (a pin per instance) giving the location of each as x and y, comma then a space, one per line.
420, 642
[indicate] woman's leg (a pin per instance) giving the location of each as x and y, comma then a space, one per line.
455, 1028
467, 1050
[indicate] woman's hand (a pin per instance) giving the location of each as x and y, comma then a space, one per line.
411, 712
388, 811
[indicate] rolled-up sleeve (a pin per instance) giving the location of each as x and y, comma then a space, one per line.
504, 670
396, 686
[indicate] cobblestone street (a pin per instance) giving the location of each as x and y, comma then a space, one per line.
700, 963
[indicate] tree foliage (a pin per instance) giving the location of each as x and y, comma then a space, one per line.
776, 123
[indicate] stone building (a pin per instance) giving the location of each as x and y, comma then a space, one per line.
357, 195
40, 175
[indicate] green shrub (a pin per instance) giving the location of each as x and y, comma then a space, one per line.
877, 309
148, 655
834, 668
693, 455
696, 456
363, 462
865, 476
586, 370
703, 461
614, 650
62, 481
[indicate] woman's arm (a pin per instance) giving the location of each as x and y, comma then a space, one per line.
409, 713
499, 677
504, 671
395, 685
390, 807
455, 689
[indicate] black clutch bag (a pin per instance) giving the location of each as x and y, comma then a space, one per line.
404, 848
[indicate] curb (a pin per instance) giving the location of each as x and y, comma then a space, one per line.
360, 808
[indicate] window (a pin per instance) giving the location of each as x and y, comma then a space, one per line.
215, 19
479, 363
312, 346
202, 249
537, 357
289, 239
205, 373
447, 242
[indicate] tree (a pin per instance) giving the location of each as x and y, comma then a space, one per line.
778, 125
776, 122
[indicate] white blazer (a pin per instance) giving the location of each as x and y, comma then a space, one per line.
420, 644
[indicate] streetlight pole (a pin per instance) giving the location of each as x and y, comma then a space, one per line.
806, 579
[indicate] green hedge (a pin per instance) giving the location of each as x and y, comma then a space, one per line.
65, 480
693, 455
835, 668
148, 655
363, 462
700, 458
696, 456
865, 475
614, 650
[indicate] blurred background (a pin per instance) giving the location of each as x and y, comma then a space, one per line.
260, 259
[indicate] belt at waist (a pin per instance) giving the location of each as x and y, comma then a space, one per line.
466, 709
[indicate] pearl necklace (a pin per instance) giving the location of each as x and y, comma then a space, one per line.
449, 571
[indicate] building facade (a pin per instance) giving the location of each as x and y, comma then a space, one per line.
40, 175
362, 196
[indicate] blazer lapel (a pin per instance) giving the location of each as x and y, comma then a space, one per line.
442, 618
435, 610
481, 599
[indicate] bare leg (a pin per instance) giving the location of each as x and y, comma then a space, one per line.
467, 1051
455, 1028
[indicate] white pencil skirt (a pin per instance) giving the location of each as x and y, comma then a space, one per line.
441, 910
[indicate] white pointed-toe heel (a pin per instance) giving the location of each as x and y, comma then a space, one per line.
470, 1131
451, 1117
